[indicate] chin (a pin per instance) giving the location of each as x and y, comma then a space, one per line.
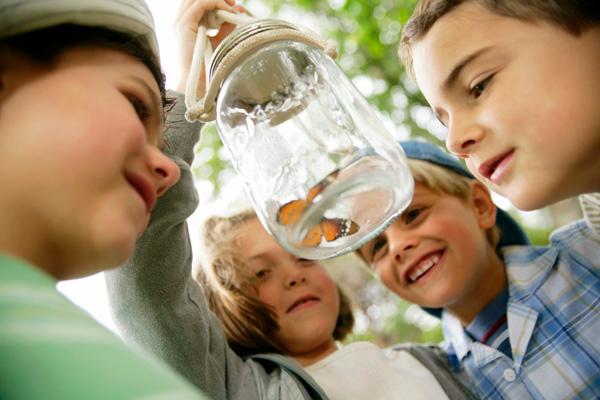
527, 200
441, 299
536, 191
111, 254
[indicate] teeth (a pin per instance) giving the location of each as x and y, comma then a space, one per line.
424, 267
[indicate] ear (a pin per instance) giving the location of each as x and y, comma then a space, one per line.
484, 207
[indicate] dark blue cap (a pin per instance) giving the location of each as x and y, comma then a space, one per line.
510, 231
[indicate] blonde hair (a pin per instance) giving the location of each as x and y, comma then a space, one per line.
249, 324
441, 180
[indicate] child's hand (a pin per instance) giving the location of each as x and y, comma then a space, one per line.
187, 21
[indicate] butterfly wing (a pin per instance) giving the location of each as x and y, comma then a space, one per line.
335, 228
330, 228
290, 212
313, 236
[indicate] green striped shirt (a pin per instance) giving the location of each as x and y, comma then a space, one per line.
51, 349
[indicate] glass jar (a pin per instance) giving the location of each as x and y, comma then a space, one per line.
324, 174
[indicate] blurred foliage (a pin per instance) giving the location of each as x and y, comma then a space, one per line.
405, 322
367, 34
537, 236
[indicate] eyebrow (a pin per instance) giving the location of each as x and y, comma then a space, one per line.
460, 66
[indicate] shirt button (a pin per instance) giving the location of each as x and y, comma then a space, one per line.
509, 374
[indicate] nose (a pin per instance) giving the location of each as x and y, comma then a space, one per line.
400, 242
165, 172
295, 276
463, 136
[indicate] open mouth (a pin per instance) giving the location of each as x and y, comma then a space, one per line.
302, 302
495, 167
423, 267
144, 188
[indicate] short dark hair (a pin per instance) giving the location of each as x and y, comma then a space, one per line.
575, 16
44, 46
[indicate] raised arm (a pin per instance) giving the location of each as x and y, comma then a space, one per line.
155, 302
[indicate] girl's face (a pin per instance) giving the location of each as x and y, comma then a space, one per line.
301, 293
82, 167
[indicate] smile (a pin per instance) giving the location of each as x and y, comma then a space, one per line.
494, 168
144, 188
423, 266
302, 302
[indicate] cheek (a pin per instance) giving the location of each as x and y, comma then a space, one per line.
459, 231
268, 295
324, 281
387, 276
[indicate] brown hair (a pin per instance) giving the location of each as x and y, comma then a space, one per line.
249, 324
575, 16
44, 46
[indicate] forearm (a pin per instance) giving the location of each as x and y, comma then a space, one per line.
159, 270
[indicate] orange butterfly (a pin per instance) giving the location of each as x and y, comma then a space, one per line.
330, 228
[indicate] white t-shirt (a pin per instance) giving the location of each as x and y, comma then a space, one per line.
362, 370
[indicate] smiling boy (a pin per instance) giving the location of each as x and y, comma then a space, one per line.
517, 85
520, 320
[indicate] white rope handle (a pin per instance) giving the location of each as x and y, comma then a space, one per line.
203, 54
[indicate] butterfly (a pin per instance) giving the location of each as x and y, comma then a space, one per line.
329, 228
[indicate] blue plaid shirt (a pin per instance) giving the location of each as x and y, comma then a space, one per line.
553, 323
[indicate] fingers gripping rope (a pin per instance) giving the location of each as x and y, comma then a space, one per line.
203, 54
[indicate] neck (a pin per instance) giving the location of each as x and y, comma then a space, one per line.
21, 238
312, 356
492, 280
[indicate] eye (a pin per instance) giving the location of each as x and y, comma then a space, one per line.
262, 274
379, 247
480, 87
140, 107
412, 214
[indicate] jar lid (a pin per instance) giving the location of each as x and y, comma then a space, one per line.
245, 40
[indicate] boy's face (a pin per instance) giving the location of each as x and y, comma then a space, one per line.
520, 101
301, 293
82, 169
436, 253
